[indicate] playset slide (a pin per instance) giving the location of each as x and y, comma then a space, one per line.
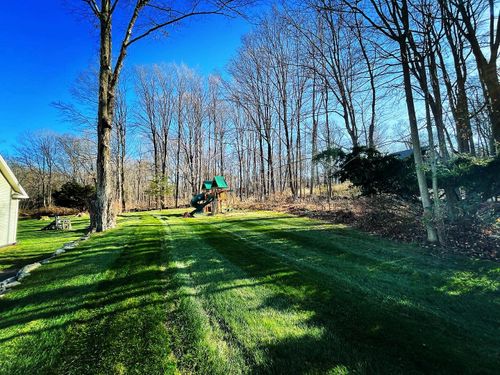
199, 201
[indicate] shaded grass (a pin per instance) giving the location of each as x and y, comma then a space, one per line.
98, 309
293, 295
245, 293
34, 244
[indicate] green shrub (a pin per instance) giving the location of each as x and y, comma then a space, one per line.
74, 195
374, 173
478, 177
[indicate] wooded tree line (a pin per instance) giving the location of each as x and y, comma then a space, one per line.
329, 67
310, 77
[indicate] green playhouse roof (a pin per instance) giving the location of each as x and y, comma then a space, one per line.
207, 185
219, 182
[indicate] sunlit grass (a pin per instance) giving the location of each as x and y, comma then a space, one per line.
463, 282
247, 293
33, 243
97, 309
295, 295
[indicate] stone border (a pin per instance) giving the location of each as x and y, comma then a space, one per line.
14, 281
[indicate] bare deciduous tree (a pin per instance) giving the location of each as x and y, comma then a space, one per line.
161, 15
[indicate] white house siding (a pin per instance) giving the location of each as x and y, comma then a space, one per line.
14, 207
6, 211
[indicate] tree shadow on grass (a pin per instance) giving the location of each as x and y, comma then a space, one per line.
15, 257
93, 294
362, 331
82, 294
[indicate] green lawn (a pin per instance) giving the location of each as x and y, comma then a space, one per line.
255, 292
34, 244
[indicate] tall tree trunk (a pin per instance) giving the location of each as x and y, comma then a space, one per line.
178, 160
122, 172
103, 216
156, 169
436, 106
49, 187
487, 69
459, 106
437, 214
270, 166
314, 136
288, 148
262, 167
417, 151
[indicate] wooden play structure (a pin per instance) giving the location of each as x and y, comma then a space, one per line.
219, 190
213, 198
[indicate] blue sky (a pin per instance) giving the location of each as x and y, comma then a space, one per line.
44, 47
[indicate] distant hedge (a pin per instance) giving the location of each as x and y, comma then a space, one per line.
74, 195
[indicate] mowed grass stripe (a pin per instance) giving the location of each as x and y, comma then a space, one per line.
458, 290
34, 317
396, 326
123, 330
197, 337
34, 244
410, 268
111, 319
238, 306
